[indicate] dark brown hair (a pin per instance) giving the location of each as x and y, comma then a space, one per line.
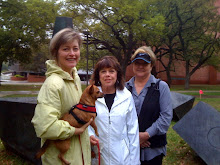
108, 62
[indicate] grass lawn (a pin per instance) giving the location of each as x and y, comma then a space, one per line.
214, 102
178, 151
21, 95
4, 87
196, 87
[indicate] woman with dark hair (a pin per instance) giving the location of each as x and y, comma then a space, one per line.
60, 91
116, 116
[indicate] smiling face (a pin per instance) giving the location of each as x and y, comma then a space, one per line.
68, 55
141, 68
108, 77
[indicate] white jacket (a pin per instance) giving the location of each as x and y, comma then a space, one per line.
118, 130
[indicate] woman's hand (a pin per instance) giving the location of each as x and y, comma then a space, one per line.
93, 140
144, 137
145, 144
80, 130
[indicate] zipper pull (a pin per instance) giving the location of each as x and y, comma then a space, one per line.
109, 119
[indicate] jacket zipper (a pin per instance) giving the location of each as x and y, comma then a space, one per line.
109, 139
109, 119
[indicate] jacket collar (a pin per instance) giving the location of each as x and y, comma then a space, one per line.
152, 80
119, 97
52, 68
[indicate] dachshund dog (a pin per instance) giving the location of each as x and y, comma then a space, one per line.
77, 116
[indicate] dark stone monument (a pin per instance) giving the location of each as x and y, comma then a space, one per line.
200, 128
61, 23
16, 130
181, 104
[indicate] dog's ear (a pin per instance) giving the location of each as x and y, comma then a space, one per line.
91, 90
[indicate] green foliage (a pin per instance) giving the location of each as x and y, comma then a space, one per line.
117, 26
214, 60
180, 30
38, 58
93, 57
190, 34
18, 75
25, 24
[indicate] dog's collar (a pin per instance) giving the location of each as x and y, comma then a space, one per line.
85, 107
82, 107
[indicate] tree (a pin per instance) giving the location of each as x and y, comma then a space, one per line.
93, 57
25, 24
38, 57
190, 35
117, 26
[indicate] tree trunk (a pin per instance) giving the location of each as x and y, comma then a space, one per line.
154, 72
187, 76
124, 66
169, 81
187, 80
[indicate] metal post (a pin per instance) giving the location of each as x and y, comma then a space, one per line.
87, 57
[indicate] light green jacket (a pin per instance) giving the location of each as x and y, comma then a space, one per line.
57, 95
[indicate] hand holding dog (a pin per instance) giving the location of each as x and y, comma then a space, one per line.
80, 130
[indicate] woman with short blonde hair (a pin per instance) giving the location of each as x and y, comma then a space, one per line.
153, 104
60, 91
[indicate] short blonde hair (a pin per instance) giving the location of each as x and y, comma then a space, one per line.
148, 50
62, 37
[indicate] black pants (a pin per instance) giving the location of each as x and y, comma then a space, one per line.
155, 161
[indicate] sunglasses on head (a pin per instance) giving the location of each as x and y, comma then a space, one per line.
142, 56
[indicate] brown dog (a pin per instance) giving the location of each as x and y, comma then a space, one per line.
77, 116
